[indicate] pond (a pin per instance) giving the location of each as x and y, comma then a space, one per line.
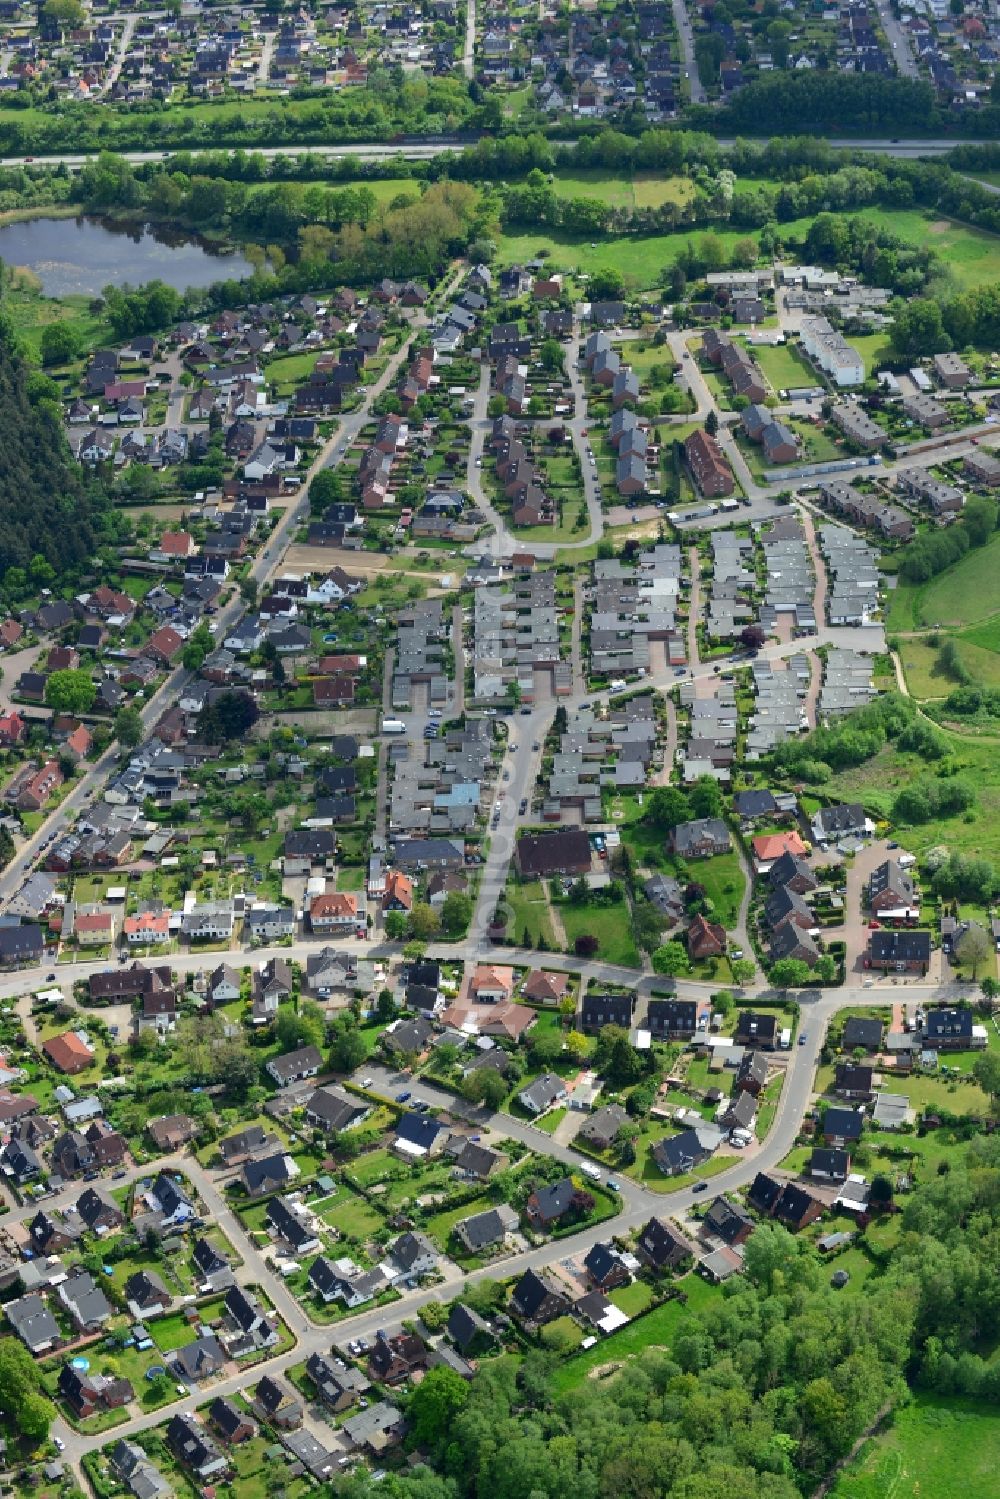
83, 255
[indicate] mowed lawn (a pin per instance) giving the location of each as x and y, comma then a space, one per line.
723, 880
351, 1215
529, 912
642, 190
609, 924
971, 254
874, 349
783, 366
938, 1445
641, 260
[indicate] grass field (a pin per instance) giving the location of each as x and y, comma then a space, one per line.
966, 593
30, 313
609, 924
632, 1299
873, 347
656, 1330
722, 878
643, 190
351, 1216
529, 912
972, 255
982, 661
642, 261
921, 671
978, 759
290, 370
783, 366
941, 1445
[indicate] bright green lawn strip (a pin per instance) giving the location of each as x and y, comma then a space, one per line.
551, 1121
632, 1299
529, 912
352, 1216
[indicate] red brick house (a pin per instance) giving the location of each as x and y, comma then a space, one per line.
705, 939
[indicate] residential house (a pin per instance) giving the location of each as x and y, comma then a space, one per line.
537, 1299
541, 1094
899, 951
700, 839
482, 1231
294, 1066
662, 1247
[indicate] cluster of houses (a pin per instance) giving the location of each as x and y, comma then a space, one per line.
443, 790
737, 364
631, 605
516, 639
585, 70
778, 441
628, 433
594, 752
212, 57
518, 477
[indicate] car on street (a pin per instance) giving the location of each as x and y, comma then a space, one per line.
523, 806
700, 1187
802, 1037
402, 1097
366, 1082
58, 1440
613, 1186
49, 978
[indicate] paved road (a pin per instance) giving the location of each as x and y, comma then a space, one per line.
424, 151
899, 40
685, 34
469, 50
128, 31
266, 58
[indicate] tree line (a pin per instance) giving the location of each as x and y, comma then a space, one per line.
389, 105
48, 508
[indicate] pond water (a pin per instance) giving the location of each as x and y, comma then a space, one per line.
84, 255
